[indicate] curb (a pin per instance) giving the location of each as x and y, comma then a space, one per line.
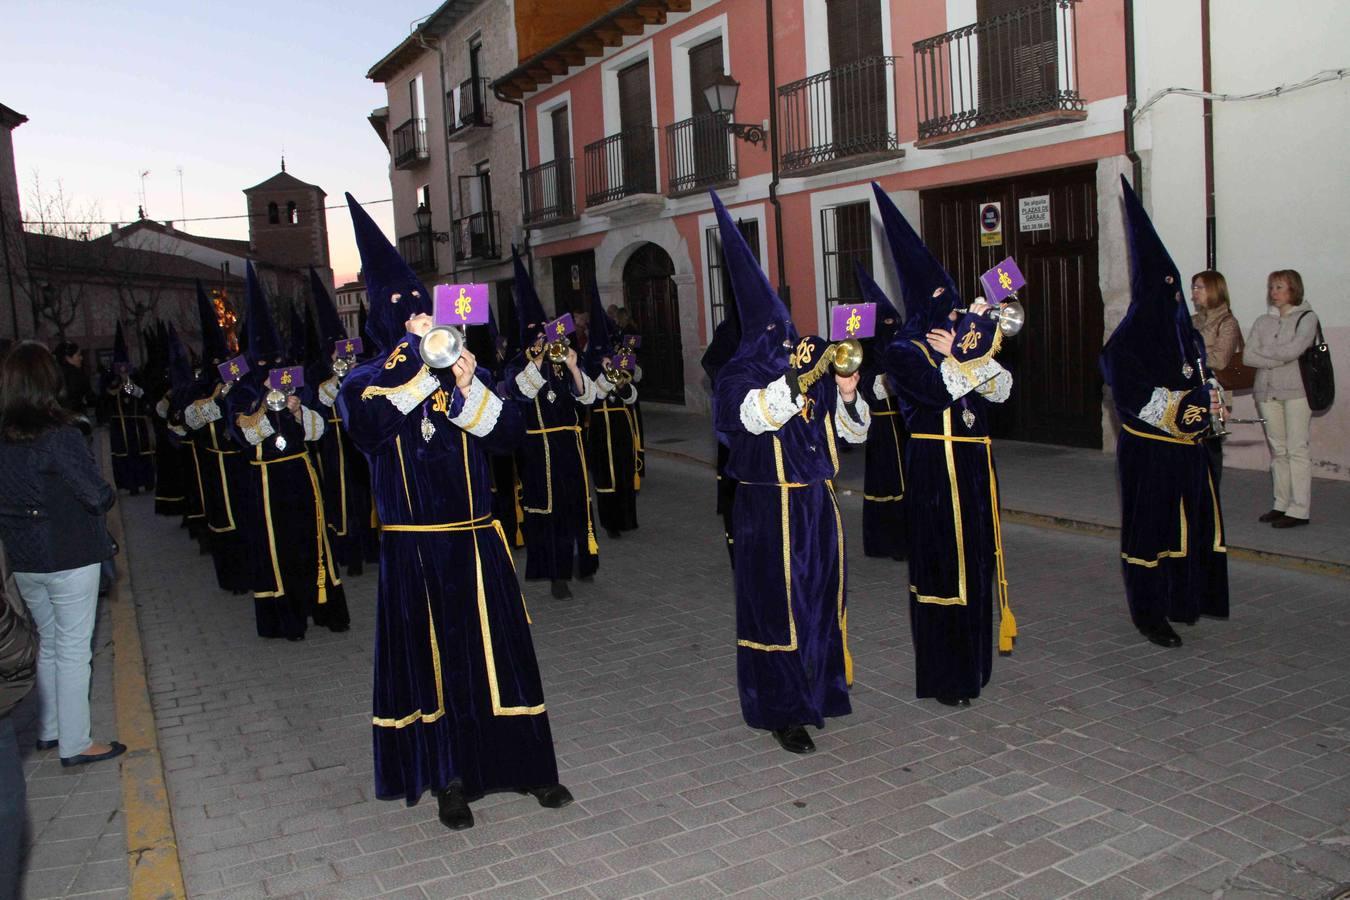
153, 867
1097, 529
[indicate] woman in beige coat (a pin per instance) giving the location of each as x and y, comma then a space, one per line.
1223, 337
1274, 345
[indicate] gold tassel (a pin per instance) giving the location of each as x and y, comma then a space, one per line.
848, 657
1007, 630
637, 482
591, 545
520, 515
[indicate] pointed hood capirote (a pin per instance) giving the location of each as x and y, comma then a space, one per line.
180, 366
296, 355
1157, 327
601, 340
264, 341
767, 332
120, 355
394, 291
529, 311
926, 289
331, 329
214, 349
888, 317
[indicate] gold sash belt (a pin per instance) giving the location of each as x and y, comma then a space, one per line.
466, 525
1160, 437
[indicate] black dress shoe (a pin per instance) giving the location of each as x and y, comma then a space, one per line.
1271, 516
558, 587
1161, 634
795, 739
293, 638
338, 629
958, 702
114, 749
47, 745
453, 810
613, 534
554, 796
1288, 522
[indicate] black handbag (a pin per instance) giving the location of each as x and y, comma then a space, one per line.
1319, 381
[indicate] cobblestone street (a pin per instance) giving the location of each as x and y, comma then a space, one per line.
1094, 763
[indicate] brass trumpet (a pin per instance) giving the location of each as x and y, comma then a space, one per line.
1010, 316
846, 356
617, 376
276, 400
442, 346
557, 351
341, 366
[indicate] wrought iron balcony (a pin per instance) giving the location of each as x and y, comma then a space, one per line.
410, 143
472, 111
477, 236
699, 152
621, 165
547, 193
418, 251
839, 118
1014, 72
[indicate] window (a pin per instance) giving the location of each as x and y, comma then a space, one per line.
719, 279
416, 100
292, 214
273, 214
846, 241
423, 196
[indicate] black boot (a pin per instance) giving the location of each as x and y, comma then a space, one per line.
795, 739
554, 796
953, 701
1161, 633
453, 810
558, 587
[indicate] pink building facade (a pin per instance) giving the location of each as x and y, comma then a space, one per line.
950, 106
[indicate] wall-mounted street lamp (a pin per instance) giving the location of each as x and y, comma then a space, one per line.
721, 96
422, 216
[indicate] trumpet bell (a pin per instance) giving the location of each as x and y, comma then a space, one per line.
557, 352
442, 346
341, 366
276, 400
847, 356
1011, 316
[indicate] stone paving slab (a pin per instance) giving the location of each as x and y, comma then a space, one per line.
1095, 764
1079, 486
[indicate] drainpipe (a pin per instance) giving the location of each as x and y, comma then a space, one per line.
445, 142
520, 128
9, 273
783, 290
1131, 100
1211, 226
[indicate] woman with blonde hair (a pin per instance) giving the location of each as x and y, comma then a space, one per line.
1274, 345
1219, 328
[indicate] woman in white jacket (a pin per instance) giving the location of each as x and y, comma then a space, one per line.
1274, 345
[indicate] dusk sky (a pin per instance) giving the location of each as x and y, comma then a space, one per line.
114, 89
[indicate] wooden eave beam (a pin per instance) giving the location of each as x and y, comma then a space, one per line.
609, 35
572, 56
590, 46
679, 5
556, 65
524, 83
653, 14
539, 74
630, 25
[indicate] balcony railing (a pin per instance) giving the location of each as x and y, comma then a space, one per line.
477, 236
1009, 73
839, 118
410, 143
621, 165
699, 152
472, 111
418, 251
546, 193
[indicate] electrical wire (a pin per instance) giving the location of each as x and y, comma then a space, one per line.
1322, 77
41, 222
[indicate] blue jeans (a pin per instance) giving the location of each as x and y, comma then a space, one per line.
13, 809
64, 605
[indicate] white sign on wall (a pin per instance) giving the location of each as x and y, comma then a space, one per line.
1033, 213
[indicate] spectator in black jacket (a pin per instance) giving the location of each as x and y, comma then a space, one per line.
18, 660
52, 505
79, 394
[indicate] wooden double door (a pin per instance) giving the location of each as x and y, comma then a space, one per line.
1057, 393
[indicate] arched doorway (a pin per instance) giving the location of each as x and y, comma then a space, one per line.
653, 302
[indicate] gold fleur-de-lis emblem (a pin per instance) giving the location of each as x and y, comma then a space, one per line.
463, 304
1192, 414
971, 340
351, 348
854, 322
561, 329
234, 368
1004, 280
286, 378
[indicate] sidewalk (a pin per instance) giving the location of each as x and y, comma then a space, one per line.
1067, 487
